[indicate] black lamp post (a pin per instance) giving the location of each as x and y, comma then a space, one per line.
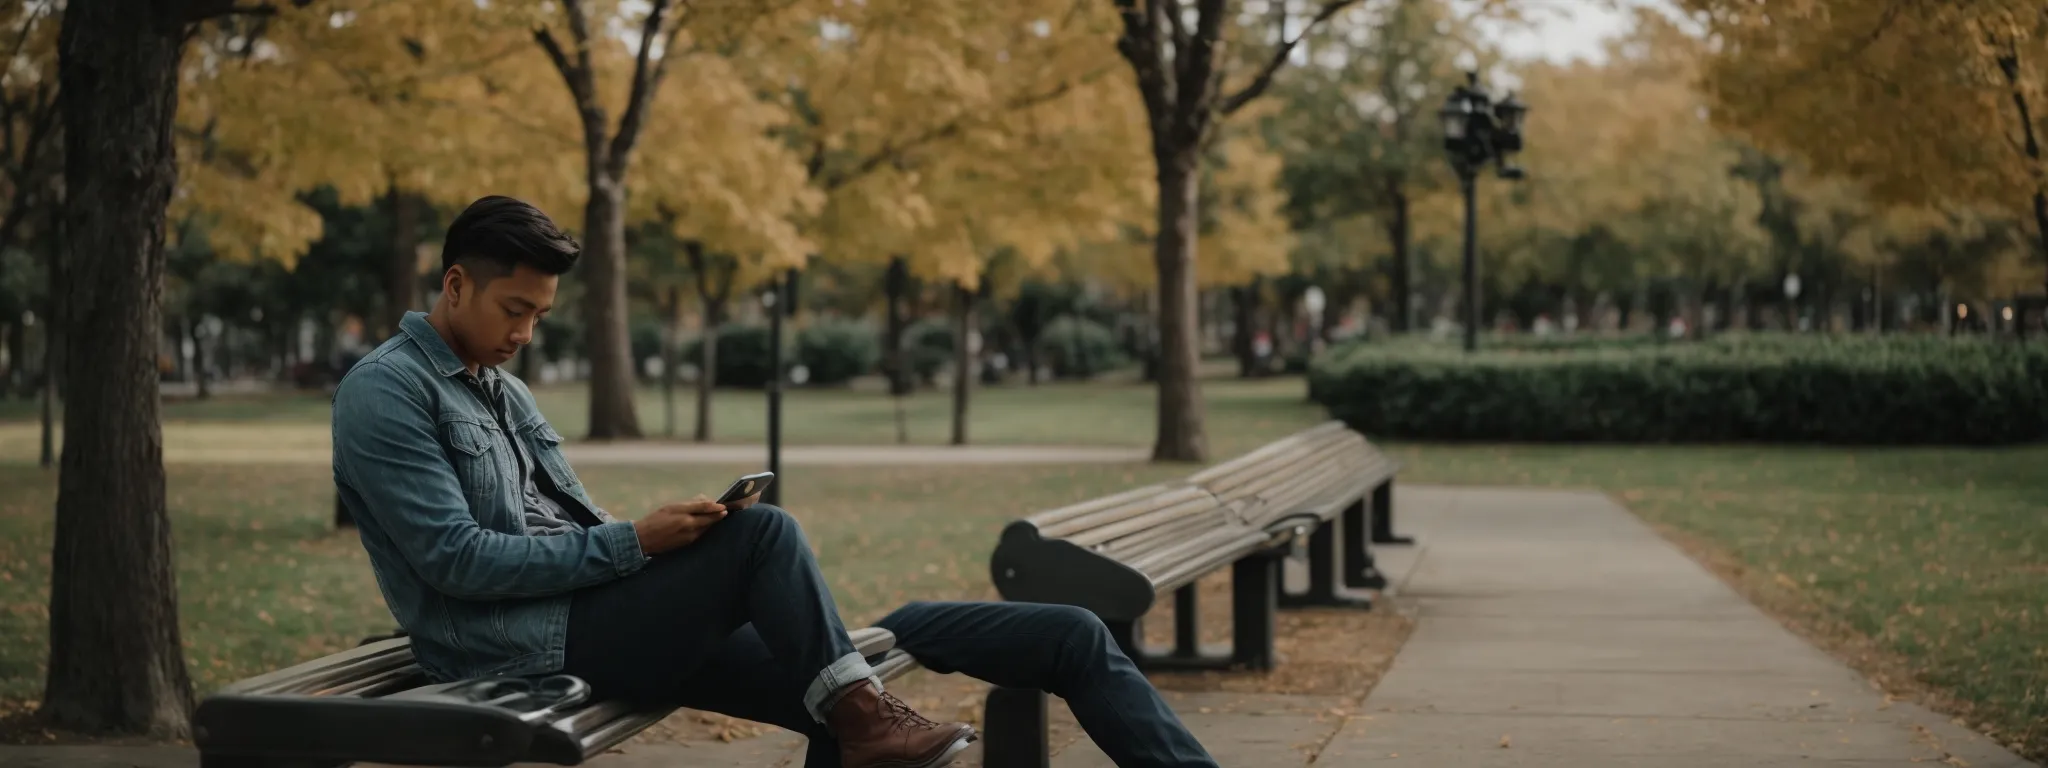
1476, 132
779, 300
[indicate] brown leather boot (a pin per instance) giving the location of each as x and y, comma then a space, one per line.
878, 730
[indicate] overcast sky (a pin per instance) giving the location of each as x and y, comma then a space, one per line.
1561, 30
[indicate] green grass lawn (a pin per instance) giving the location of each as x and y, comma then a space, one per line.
263, 582
1242, 415
1936, 558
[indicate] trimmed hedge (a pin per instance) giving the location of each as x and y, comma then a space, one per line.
928, 347
835, 352
1078, 348
742, 355
1755, 389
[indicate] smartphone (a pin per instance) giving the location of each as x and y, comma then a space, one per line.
747, 485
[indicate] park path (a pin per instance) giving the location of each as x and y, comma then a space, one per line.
1556, 629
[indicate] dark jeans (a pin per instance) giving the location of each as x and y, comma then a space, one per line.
741, 622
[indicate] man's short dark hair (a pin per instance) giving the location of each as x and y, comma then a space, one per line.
496, 233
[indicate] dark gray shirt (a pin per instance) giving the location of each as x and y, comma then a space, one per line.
544, 516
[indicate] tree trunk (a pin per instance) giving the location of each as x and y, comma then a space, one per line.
1788, 309
195, 330
1404, 267
224, 351
964, 367
2040, 213
401, 275
17, 360
116, 661
1180, 434
1724, 302
895, 365
612, 415
1695, 308
1246, 303
707, 364
51, 359
671, 309
1824, 305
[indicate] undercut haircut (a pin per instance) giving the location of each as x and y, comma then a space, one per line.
497, 233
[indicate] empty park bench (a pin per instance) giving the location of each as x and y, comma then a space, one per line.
374, 704
1115, 555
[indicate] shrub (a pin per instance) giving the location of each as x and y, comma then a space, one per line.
835, 352
742, 355
1077, 348
928, 347
1733, 389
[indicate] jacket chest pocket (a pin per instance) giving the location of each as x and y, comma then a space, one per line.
544, 444
479, 464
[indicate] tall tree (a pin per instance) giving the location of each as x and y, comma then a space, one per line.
116, 662
1180, 56
1805, 78
1359, 131
608, 151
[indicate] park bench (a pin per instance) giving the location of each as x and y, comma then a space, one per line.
374, 704
1115, 555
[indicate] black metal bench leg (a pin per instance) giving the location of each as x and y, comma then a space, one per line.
1383, 516
1360, 570
1187, 635
1015, 732
1254, 598
1322, 575
1188, 652
1128, 638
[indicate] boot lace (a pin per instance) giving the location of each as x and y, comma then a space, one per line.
903, 714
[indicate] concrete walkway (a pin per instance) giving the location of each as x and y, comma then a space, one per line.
1556, 629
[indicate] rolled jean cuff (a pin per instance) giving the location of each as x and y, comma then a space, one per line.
825, 691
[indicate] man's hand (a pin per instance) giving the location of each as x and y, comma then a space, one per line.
675, 526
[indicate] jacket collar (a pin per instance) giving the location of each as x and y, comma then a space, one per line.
415, 324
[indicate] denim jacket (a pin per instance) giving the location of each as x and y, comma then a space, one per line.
427, 469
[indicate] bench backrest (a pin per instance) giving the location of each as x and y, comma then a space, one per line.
1327, 462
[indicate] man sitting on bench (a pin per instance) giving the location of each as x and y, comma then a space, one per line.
494, 559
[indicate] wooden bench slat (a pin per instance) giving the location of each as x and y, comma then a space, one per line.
1181, 575
1147, 540
1309, 475
375, 656
1224, 483
1096, 519
1262, 452
1249, 483
1160, 559
1055, 516
1193, 506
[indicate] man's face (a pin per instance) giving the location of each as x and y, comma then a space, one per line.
493, 322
